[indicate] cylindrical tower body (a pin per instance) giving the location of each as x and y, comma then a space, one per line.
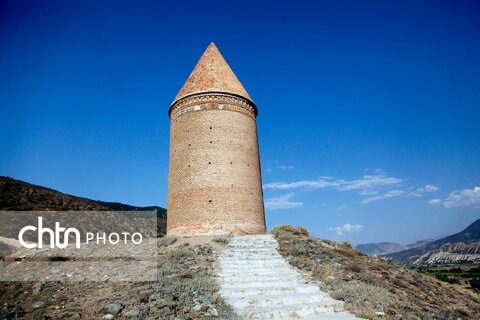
214, 184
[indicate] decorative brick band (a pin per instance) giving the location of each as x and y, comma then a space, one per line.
212, 101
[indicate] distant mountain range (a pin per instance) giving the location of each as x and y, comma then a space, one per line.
16, 195
382, 248
460, 247
379, 248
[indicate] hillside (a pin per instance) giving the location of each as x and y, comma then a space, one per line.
460, 247
372, 287
451, 253
16, 195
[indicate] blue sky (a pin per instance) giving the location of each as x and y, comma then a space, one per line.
368, 110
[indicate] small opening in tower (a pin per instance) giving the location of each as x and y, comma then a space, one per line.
231, 162
210, 128
210, 200
209, 163
210, 141
189, 144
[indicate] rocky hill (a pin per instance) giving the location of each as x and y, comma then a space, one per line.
16, 195
460, 247
451, 253
372, 287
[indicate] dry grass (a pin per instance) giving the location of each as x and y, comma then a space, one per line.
352, 266
346, 249
288, 229
179, 254
363, 299
371, 287
167, 240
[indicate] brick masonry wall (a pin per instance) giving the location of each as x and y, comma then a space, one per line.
214, 184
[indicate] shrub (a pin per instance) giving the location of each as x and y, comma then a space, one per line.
347, 250
167, 240
201, 284
300, 231
299, 249
370, 277
364, 299
282, 229
288, 229
449, 279
222, 240
475, 283
353, 266
325, 274
179, 254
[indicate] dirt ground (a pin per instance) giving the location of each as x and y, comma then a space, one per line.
185, 289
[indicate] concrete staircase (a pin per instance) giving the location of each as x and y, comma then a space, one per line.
259, 284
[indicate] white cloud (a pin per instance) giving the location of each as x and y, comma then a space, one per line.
346, 228
286, 167
311, 184
282, 202
460, 198
366, 182
428, 188
386, 195
368, 193
400, 193
373, 187
370, 182
435, 202
342, 207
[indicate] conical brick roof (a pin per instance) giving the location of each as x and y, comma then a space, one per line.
212, 74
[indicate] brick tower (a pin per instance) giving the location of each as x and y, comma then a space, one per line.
214, 182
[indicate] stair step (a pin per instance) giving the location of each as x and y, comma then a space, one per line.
257, 285
255, 281
252, 292
260, 284
297, 311
271, 300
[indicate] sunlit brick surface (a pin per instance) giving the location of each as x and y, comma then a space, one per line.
214, 175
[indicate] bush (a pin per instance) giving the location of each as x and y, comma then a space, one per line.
222, 240
353, 266
370, 277
325, 274
167, 240
179, 254
299, 250
288, 229
347, 250
364, 299
300, 231
474, 283
449, 279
